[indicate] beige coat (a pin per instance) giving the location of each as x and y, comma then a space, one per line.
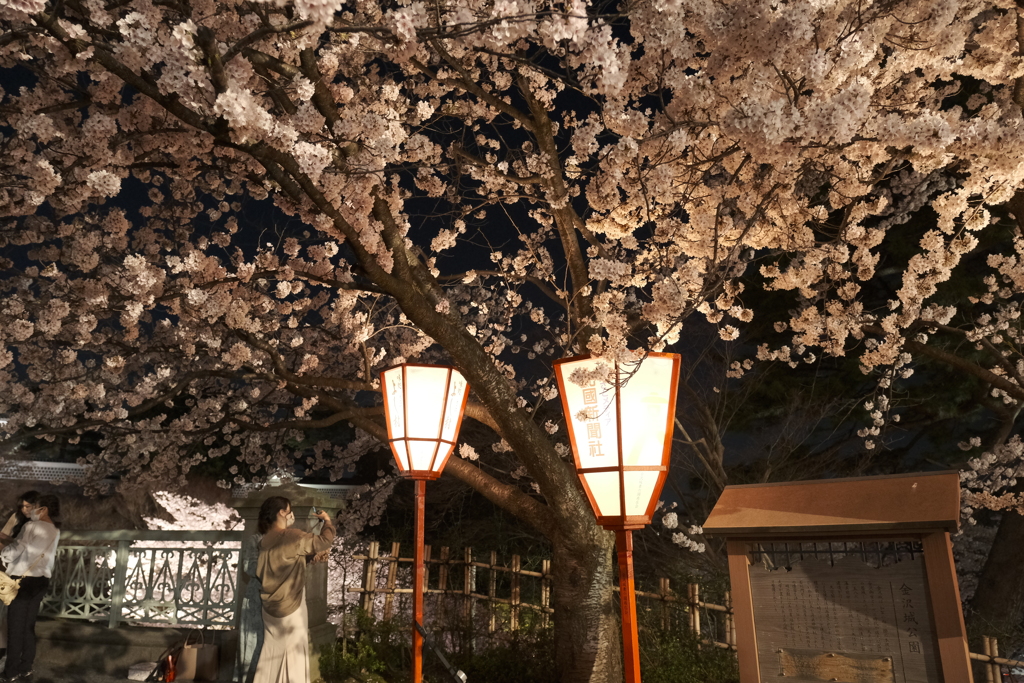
281, 566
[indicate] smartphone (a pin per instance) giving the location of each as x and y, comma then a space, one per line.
315, 511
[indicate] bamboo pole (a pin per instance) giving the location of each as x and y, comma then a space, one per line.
389, 596
545, 591
515, 593
370, 580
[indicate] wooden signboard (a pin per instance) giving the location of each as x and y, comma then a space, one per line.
848, 622
819, 597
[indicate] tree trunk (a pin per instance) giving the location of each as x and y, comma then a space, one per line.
997, 608
587, 630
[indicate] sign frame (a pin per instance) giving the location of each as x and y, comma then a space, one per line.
922, 507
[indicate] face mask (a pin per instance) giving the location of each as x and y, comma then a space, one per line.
33, 514
291, 518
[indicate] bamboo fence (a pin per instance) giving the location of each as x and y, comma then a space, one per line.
506, 594
498, 594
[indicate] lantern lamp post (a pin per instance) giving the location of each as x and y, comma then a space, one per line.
423, 406
620, 430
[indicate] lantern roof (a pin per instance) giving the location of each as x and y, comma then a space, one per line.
920, 501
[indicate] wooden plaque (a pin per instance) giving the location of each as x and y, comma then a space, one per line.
849, 622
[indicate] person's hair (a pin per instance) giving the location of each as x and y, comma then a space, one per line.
52, 505
268, 512
30, 497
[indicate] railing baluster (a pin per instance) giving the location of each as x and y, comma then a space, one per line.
120, 579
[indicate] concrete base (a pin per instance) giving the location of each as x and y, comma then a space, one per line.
319, 636
66, 648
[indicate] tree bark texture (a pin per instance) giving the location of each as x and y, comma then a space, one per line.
587, 630
997, 608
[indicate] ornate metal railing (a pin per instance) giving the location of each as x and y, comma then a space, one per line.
146, 577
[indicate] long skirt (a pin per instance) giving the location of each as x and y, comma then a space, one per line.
285, 654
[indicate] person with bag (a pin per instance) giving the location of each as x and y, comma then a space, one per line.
29, 560
12, 528
281, 569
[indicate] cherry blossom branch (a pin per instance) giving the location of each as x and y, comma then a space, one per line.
1006, 363
259, 34
995, 380
477, 161
565, 217
144, 83
543, 286
284, 373
467, 83
322, 423
713, 467
505, 496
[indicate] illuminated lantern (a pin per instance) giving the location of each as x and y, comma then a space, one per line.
620, 424
423, 406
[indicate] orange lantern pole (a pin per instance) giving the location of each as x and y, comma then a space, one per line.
620, 420
627, 601
418, 576
423, 406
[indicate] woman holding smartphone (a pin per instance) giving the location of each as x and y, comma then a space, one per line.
281, 569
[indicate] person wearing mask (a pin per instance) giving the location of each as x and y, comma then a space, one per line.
17, 520
30, 557
281, 569
12, 528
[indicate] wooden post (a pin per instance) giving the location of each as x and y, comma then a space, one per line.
945, 595
370, 578
418, 576
743, 612
389, 597
627, 601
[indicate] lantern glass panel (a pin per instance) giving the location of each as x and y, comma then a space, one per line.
640, 491
422, 453
453, 410
425, 396
644, 399
394, 388
604, 487
592, 415
401, 455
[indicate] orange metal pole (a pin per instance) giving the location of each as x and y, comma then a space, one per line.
417, 583
627, 599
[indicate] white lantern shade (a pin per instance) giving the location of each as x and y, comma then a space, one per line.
620, 431
423, 405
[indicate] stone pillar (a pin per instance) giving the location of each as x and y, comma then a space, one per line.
321, 632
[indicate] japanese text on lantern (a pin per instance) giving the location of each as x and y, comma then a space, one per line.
593, 427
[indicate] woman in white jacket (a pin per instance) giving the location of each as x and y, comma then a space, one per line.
29, 557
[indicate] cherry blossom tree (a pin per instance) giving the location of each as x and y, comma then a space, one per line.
485, 183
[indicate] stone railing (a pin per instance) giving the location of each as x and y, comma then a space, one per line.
183, 578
